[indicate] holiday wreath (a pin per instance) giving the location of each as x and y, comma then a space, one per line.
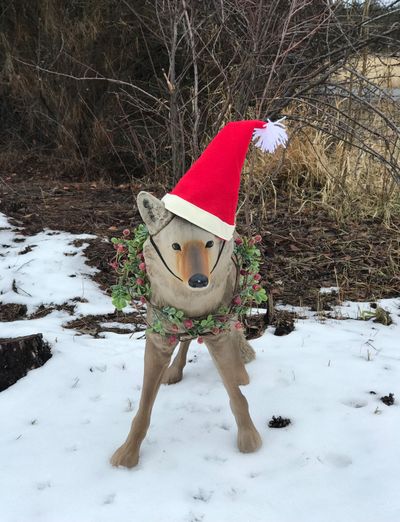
133, 286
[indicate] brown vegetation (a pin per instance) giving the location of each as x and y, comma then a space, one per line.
138, 88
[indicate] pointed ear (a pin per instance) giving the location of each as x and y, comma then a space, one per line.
153, 212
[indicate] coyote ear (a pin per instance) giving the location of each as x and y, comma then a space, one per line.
153, 212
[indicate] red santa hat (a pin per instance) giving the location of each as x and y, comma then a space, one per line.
207, 195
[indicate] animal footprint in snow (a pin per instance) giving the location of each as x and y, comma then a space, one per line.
355, 403
109, 499
338, 460
235, 493
203, 495
215, 458
43, 485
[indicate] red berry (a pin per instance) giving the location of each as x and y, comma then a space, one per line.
114, 265
139, 281
257, 238
120, 248
142, 267
257, 277
140, 256
238, 325
172, 339
256, 287
126, 232
237, 300
188, 323
243, 272
200, 340
143, 300
238, 241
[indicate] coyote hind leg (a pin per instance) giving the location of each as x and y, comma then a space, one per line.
247, 352
174, 373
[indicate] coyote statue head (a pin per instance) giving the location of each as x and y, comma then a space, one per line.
184, 254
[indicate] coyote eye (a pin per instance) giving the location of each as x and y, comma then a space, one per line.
209, 244
176, 246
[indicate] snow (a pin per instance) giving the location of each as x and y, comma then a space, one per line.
329, 290
337, 461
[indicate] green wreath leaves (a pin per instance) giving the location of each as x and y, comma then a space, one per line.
133, 286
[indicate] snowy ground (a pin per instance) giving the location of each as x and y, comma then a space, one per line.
338, 461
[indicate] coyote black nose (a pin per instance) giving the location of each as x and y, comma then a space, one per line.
198, 281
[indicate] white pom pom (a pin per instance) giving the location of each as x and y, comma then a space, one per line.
269, 137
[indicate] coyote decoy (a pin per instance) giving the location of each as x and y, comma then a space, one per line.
192, 288
189, 264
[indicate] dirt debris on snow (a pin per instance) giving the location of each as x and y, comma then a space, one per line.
117, 322
12, 312
388, 399
279, 422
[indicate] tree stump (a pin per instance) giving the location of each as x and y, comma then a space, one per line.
19, 355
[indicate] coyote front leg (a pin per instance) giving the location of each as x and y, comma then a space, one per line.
227, 360
156, 359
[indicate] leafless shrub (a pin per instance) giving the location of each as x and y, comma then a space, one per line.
145, 85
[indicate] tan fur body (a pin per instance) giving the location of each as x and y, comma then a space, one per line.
197, 254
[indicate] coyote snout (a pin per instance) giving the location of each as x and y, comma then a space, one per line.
185, 251
198, 281
194, 264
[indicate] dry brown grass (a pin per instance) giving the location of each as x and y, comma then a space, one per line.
319, 171
383, 71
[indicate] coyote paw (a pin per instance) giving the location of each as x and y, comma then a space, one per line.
249, 440
124, 456
172, 375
